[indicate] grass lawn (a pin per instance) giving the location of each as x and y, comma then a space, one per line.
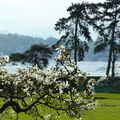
108, 108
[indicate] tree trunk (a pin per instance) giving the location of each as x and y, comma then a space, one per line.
110, 55
112, 43
113, 65
36, 62
75, 41
79, 56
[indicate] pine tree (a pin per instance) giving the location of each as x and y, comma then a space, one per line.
107, 24
37, 54
75, 30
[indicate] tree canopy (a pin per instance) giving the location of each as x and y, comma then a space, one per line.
107, 23
37, 54
74, 30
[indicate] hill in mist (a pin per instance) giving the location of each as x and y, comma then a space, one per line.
12, 43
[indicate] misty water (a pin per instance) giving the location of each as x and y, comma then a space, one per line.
96, 68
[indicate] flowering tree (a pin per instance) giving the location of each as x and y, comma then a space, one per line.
59, 89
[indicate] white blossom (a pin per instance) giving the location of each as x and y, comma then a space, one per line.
62, 83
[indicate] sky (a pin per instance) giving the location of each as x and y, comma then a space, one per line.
36, 18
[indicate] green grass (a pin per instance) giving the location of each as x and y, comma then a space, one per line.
108, 108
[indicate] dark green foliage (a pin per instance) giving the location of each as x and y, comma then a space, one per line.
17, 57
101, 44
107, 24
75, 30
38, 54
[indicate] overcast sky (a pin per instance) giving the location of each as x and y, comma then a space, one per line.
33, 17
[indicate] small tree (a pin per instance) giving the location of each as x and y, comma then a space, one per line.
36, 55
43, 94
